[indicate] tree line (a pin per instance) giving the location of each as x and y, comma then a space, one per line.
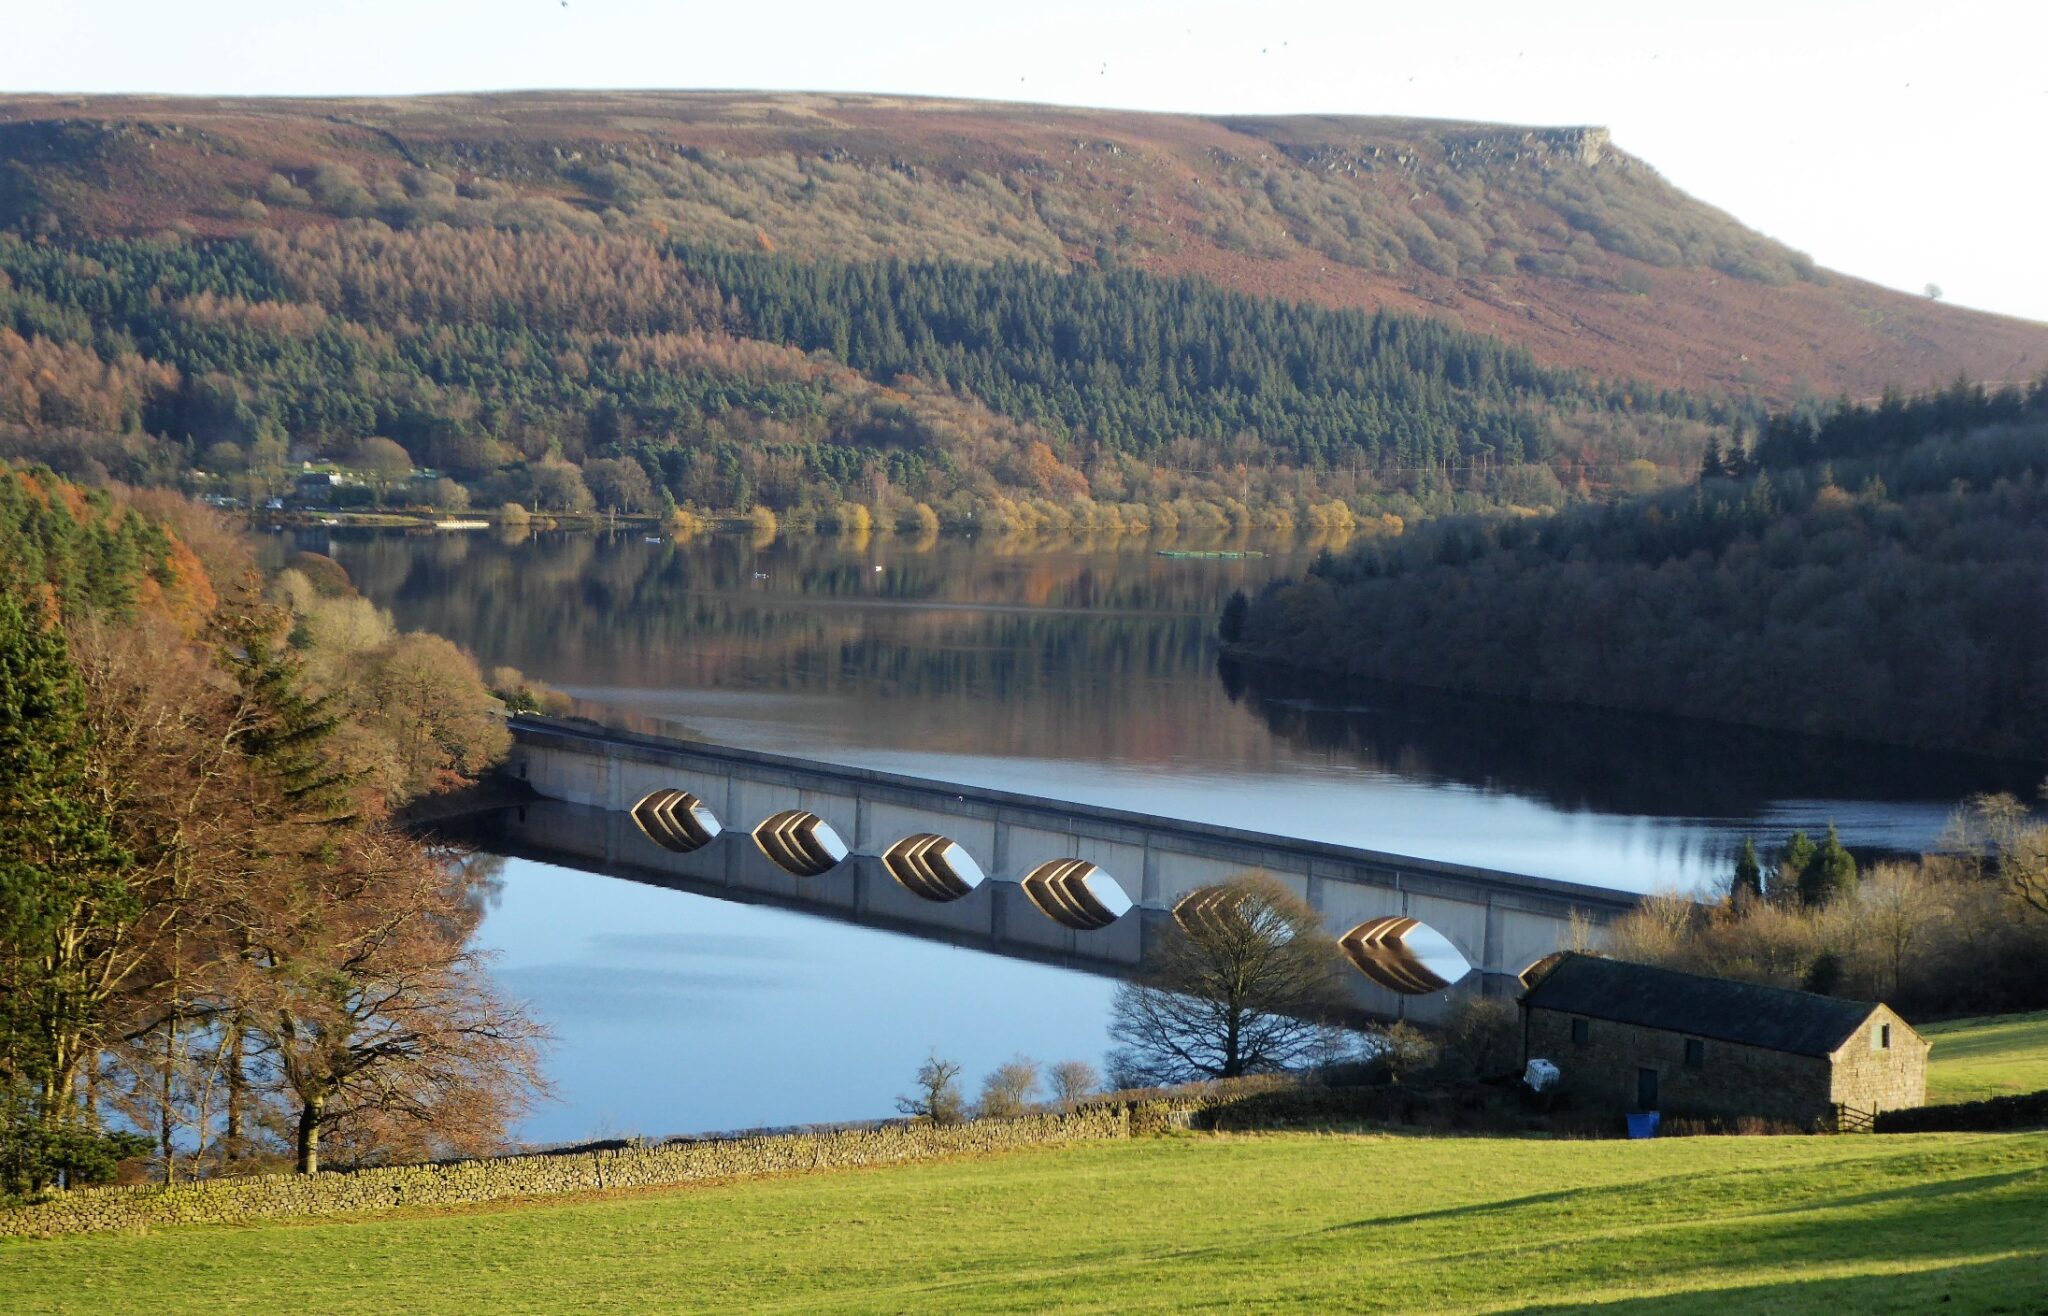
213, 941
573, 371
1881, 590
1962, 930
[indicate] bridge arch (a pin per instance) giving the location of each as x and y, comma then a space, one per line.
933, 866
1076, 894
800, 843
677, 821
1379, 949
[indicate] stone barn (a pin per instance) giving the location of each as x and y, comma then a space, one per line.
1629, 1037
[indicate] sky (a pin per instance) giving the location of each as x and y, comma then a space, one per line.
1896, 140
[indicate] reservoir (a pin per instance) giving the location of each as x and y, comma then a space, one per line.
1081, 671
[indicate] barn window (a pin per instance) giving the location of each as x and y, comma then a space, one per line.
1582, 1031
1883, 1037
1695, 1052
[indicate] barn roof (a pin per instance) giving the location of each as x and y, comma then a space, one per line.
1775, 1018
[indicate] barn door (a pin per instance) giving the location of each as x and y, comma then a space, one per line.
1646, 1089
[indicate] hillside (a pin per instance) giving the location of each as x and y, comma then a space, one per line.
1554, 239
1304, 1221
1874, 576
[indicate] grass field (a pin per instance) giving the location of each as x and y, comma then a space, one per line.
1991, 1057
1854, 1224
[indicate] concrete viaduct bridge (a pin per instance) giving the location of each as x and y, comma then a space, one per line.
1015, 874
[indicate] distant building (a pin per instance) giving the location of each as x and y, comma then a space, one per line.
1630, 1037
327, 488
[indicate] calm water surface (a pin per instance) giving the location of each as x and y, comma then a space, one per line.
679, 1013
1085, 672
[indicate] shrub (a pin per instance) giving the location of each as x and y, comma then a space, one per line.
1968, 1116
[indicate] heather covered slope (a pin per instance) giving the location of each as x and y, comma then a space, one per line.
1551, 238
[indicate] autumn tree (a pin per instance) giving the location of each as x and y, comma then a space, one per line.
382, 1025
1898, 906
1240, 988
385, 461
620, 485
200, 915
1402, 1051
2002, 836
185, 803
429, 700
559, 487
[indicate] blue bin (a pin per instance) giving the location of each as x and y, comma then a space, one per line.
1644, 1125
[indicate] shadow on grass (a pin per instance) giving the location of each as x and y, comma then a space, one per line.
1493, 1207
2006, 1284
1982, 1183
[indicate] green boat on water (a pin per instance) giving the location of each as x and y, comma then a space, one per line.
1226, 555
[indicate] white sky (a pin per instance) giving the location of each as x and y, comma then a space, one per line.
1899, 140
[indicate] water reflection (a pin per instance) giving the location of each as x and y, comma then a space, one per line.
1077, 671
676, 1012
1588, 760
1088, 671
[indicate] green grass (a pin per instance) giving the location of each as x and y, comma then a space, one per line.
1995, 1056
1851, 1224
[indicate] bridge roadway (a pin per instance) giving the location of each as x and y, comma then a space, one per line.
1030, 903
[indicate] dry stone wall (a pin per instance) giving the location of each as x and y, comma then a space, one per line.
462, 1183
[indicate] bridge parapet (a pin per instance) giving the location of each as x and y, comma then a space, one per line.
1499, 922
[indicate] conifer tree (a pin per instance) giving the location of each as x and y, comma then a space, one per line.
291, 729
1793, 861
1711, 467
63, 898
1749, 874
1831, 873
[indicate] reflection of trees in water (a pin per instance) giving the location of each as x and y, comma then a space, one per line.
1589, 759
990, 650
485, 873
623, 568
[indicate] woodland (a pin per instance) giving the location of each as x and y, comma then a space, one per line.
567, 373
1959, 931
1871, 571
217, 949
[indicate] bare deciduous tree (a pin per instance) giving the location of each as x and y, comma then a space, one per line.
2003, 832
1240, 990
1898, 906
1073, 1081
1007, 1092
1403, 1050
937, 1098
